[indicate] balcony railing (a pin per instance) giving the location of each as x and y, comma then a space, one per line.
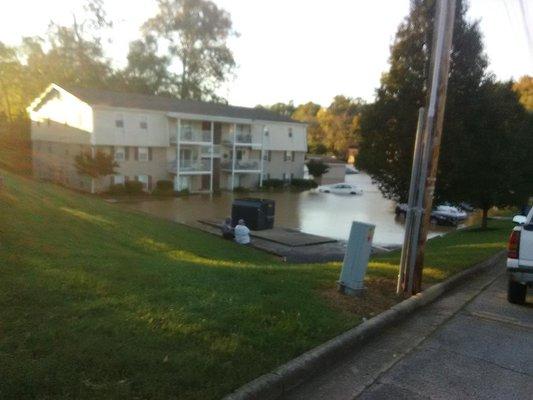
242, 139
202, 165
195, 136
242, 165
205, 151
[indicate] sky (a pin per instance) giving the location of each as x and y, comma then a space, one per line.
299, 50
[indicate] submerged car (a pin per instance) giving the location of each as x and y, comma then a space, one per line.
340, 188
441, 215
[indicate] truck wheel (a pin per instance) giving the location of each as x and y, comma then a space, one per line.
516, 292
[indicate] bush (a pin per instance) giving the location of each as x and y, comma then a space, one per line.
164, 185
164, 188
303, 183
273, 183
317, 168
117, 188
133, 187
241, 189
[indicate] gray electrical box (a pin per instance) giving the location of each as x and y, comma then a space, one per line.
355, 262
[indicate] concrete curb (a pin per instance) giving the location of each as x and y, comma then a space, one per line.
274, 384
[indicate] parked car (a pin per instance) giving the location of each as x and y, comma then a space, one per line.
447, 215
520, 258
441, 215
340, 188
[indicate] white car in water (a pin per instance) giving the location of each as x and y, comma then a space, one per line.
340, 188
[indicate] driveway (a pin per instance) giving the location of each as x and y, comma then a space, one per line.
470, 344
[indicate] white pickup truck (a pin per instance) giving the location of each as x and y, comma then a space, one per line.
520, 258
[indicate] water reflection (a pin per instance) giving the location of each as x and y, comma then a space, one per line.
319, 213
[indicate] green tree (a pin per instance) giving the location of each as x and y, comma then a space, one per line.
95, 166
315, 134
340, 124
487, 166
317, 168
146, 72
389, 124
196, 34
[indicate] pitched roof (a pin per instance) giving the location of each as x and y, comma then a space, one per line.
169, 104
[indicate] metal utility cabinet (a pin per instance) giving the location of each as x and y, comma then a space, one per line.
356, 259
258, 214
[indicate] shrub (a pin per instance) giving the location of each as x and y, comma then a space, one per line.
241, 189
133, 187
164, 185
273, 183
117, 188
317, 168
303, 183
164, 188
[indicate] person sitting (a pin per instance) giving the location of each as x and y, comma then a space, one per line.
227, 230
242, 233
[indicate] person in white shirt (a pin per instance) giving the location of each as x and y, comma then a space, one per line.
242, 233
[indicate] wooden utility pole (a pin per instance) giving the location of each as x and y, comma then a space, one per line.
411, 276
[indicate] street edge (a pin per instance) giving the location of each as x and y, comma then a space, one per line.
284, 378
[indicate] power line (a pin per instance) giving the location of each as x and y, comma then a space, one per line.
526, 27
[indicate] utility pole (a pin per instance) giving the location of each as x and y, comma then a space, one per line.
428, 148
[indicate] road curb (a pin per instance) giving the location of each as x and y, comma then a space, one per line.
274, 384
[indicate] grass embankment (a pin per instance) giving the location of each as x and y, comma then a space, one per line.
97, 302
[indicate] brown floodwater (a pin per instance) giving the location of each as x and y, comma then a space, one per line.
317, 213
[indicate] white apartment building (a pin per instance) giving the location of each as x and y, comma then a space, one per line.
200, 146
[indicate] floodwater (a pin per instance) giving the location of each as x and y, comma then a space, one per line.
323, 214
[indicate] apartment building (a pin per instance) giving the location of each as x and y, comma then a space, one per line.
200, 146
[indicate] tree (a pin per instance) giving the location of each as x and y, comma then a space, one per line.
315, 134
389, 124
340, 124
317, 168
524, 87
489, 163
95, 166
196, 33
146, 72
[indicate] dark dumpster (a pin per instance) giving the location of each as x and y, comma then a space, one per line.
257, 213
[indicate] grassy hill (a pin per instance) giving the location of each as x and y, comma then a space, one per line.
98, 302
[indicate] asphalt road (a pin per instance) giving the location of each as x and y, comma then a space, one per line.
470, 344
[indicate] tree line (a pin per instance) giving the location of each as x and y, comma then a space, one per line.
182, 52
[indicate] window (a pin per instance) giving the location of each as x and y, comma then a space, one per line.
290, 132
266, 131
143, 124
293, 155
144, 179
119, 179
119, 121
288, 155
143, 154
270, 155
292, 176
120, 153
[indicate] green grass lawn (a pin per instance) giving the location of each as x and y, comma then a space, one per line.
98, 302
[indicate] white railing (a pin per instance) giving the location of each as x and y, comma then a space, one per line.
205, 151
195, 136
242, 165
201, 165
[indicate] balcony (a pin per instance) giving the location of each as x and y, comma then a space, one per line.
242, 165
206, 151
191, 166
195, 136
243, 139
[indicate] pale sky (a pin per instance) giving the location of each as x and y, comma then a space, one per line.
298, 50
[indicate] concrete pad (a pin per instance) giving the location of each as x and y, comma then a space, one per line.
498, 343
444, 374
382, 391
